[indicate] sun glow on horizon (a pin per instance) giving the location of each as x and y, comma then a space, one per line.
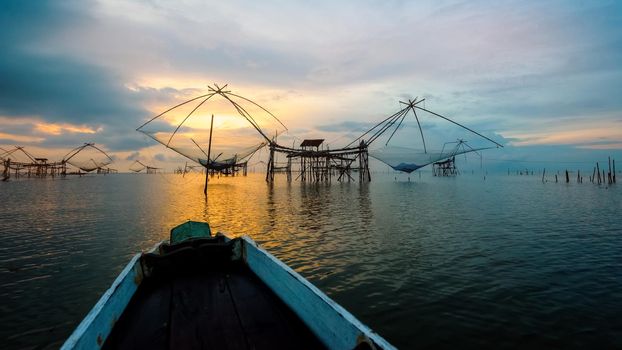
580, 134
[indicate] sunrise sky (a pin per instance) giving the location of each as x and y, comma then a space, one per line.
543, 78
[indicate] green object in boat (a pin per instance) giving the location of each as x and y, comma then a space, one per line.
190, 230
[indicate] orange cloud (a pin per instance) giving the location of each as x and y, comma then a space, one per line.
58, 129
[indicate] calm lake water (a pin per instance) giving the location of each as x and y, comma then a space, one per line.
460, 262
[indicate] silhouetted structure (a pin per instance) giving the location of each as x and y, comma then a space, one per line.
445, 168
139, 166
19, 162
313, 164
222, 155
309, 162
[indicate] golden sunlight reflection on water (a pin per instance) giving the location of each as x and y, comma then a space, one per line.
290, 220
456, 261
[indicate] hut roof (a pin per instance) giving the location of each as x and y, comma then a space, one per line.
311, 143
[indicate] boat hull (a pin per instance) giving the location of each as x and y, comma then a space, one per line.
333, 326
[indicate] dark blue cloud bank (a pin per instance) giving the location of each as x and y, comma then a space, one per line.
58, 88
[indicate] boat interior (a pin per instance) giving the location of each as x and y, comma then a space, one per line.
194, 295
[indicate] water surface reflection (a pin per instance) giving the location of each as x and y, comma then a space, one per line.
455, 262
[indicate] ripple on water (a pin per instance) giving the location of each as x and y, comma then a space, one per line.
502, 263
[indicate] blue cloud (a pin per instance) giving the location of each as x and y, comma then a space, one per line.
346, 126
133, 156
58, 88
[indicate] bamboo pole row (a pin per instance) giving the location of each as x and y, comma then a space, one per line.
608, 178
599, 176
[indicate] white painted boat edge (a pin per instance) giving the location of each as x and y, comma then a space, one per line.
336, 327
98, 323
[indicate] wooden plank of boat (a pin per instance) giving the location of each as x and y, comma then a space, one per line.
214, 292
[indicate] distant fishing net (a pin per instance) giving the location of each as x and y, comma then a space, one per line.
409, 160
87, 157
137, 166
167, 165
217, 130
401, 144
17, 154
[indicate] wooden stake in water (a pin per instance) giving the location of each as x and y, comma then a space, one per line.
7, 170
609, 178
209, 150
598, 172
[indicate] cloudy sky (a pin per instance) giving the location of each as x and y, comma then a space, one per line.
543, 78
